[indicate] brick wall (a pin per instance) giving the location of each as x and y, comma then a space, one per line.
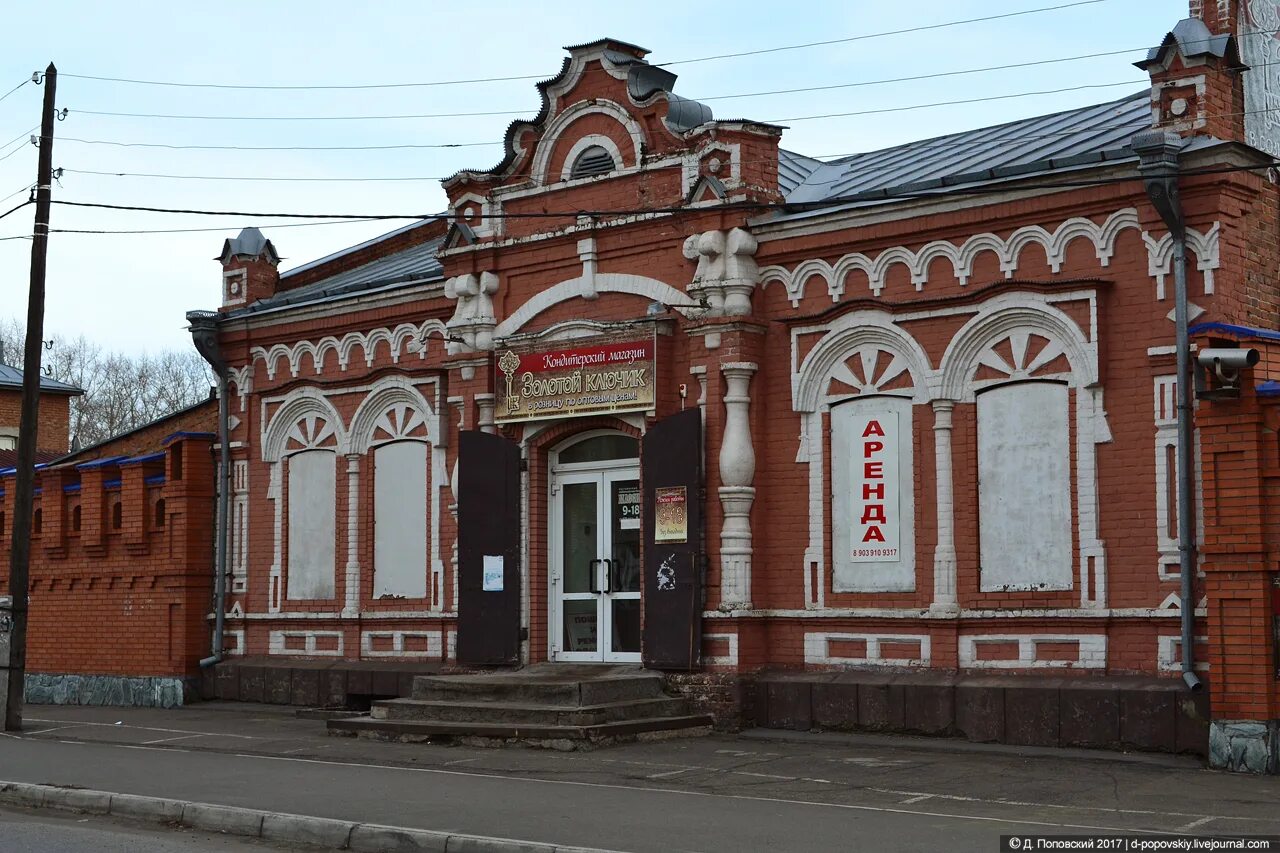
53, 433
121, 563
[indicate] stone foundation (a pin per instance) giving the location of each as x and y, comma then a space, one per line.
1245, 746
117, 690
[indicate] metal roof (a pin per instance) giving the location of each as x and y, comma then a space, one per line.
11, 378
414, 264
1076, 137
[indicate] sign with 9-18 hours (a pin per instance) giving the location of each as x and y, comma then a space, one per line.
876, 513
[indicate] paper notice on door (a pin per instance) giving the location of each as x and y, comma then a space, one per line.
672, 514
493, 566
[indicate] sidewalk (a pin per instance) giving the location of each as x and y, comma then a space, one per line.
716, 793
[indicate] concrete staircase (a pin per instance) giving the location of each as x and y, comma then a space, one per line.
549, 705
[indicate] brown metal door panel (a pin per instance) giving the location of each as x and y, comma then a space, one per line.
671, 461
488, 526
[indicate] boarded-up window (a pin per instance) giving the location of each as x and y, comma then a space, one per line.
311, 524
400, 520
873, 497
1024, 487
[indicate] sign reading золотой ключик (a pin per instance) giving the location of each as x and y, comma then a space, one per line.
578, 377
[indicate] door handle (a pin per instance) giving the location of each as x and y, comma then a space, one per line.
608, 575
594, 577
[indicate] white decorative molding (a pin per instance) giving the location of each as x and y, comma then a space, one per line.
393, 410
242, 379
1168, 653
1205, 245
817, 649
962, 257
729, 658
585, 142
278, 640
1168, 565
944, 552
434, 644
864, 335
351, 601
637, 285
307, 419
726, 274
737, 471
239, 579
228, 648
404, 338
1092, 651
470, 329
541, 166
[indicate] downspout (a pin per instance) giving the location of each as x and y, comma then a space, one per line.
204, 333
1158, 163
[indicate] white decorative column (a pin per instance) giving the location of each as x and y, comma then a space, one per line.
484, 413
460, 405
944, 554
737, 471
352, 605
275, 494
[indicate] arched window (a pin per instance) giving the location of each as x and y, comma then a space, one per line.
159, 513
117, 515
312, 524
594, 160
75, 518
1024, 524
400, 519
600, 448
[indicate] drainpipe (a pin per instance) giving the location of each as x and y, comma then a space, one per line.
1157, 151
204, 332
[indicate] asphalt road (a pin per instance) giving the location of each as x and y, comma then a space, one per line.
705, 794
57, 832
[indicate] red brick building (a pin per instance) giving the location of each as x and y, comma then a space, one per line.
53, 436
121, 564
660, 390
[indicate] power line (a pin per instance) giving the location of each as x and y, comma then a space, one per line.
15, 88
883, 34
735, 96
206, 230
863, 37
15, 209
275, 147
906, 108
761, 206
22, 189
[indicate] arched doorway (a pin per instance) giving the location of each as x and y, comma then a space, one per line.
594, 559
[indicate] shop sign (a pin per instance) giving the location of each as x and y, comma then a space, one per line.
876, 511
671, 510
578, 378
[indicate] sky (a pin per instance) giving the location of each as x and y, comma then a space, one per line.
130, 292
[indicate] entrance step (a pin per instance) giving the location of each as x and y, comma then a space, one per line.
529, 714
539, 688
565, 737
558, 706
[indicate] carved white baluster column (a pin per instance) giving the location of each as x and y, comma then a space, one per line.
944, 554
737, 471
352, 605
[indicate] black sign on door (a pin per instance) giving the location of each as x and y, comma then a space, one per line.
488, 549
671, 460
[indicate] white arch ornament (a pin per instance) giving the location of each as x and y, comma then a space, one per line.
1015, 317
637, 285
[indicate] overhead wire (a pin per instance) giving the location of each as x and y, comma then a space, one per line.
438, 145
600, 213
15, 88
499, 79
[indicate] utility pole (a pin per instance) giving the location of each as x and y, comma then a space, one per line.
20, 556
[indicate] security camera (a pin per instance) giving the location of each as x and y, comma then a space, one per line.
1219, 374
1223, 360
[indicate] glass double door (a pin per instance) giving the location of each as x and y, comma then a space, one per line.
596, 566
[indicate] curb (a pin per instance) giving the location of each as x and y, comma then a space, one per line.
268, 826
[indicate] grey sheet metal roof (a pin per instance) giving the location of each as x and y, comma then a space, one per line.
1076, 137
11, 379
414, 264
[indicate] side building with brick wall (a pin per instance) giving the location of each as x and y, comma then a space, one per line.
885, 442
121, 565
